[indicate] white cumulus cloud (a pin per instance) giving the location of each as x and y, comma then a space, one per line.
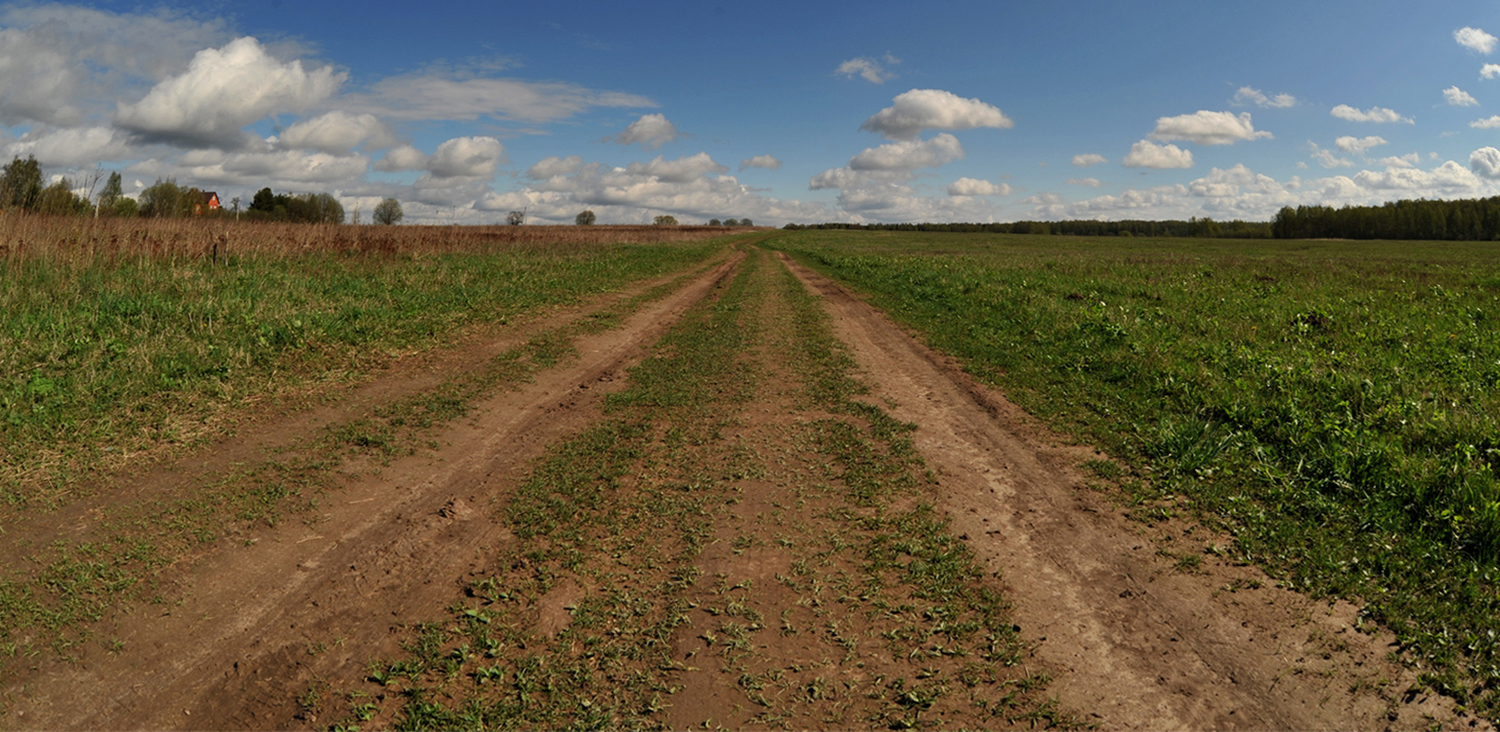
1373, 114
691, 188
1410, 160
1485, 162
933, 109
402, 158
1474, 39
222, 91
892, 201
554, 166
63, 64
338, 132
1326, 158
1489, 71
1249, 95
869, 69
1090, 182
1232, 184
650, 131
977, 187
281, 168
1088, 159
1207, 128
72, 146
910, 155
1456, 97
1147, 154
1239, 193
466, 157
845, 178
680, 170
768, 162
1450, 178
1488, 123
1358, 145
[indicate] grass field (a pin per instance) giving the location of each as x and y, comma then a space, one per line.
1333, 404
126, 338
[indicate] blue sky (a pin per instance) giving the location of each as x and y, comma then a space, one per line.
778, 111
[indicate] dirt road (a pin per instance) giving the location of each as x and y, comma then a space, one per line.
1129, 637
1139, 643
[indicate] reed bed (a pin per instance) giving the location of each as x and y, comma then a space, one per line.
85, 241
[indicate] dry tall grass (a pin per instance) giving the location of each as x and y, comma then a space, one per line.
86, 240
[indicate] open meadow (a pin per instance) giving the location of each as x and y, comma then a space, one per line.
281, 476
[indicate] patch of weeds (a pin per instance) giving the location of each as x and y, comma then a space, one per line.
366, 435
310, 701
1106, 469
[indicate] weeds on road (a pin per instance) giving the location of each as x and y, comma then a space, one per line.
1331, 403
740, 542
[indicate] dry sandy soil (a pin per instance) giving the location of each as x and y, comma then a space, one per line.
1131, 640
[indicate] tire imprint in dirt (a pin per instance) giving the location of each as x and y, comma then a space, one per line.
1135, 643
310, 602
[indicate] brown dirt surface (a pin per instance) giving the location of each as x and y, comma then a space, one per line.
785, 620
1138, 642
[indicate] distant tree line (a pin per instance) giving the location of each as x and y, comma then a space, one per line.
1475, 219
311, 208
21, 189
1192, 227
1465, 219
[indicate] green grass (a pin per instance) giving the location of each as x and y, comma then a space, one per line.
1333, 404
104, 358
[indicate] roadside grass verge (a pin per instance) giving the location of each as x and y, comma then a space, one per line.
52, 595
1331, 404
106, 362
637, 583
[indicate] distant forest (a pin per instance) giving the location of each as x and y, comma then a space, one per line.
1191, 227
1467, 219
